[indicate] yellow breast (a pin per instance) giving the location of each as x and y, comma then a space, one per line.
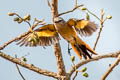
67, 32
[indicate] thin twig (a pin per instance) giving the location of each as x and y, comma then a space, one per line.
110, 69
98, 57
101, 27
28, 23
18, 15
20, 72
76, 72
70, 10
29, 66
105, 19
34, 21
75, 2
17, 38
89, 12
49, 4
23, 20
93, 15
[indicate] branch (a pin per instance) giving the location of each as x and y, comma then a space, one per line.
76, 71
111, 68
20, 72
54, 6
57, 48
76, 2
18, 38
101, 27
49, 4
28, 66
75, 75
98, 57
70, 10
93, 15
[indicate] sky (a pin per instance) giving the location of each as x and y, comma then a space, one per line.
44, 58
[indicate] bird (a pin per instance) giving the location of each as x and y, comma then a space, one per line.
70, 30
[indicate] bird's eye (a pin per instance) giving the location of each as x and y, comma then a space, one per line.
58, 21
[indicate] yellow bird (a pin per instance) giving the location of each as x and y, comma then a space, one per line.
48, 35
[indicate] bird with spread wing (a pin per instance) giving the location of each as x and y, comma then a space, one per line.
48, 35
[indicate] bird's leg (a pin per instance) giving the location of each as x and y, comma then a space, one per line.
69, 49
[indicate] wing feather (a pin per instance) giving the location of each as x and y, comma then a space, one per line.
43, 36
83, 27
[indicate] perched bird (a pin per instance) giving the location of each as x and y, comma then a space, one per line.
48, 35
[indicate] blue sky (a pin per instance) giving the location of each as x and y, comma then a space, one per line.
44, 58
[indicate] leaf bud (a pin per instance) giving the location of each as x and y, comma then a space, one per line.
84, 69
11, 14
85, 74
27, 17
109, 17
83, 8
73, 58
16, 19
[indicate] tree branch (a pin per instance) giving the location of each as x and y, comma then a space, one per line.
28, 66
70, 10
18, 38
57, 48
98, 57
110, 69
93, 15
49, 4
54, 9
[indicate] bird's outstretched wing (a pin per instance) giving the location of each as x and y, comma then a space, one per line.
43, 36
83, 27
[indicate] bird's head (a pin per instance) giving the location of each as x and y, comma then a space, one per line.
59, 20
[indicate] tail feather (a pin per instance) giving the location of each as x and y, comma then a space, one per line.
85, 51
81, 48
76, 49
88, 47
81, 51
